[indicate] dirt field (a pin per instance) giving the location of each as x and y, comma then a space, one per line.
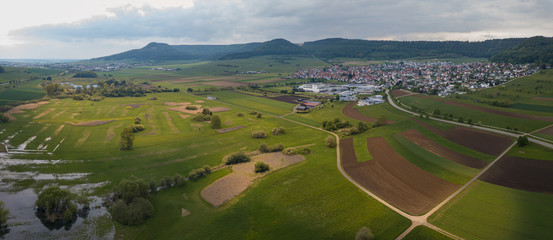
421, 140
176, 104
488, 110
224, 130
199, 101
219, 109
524, 174
242, 176
542, 98
18, 109
481, 141
91, 123
355, 114
226, 84
184, 110
42, 114
401, 93
393, 178
547, 131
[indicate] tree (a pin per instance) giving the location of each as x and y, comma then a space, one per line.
137, 120
364, 234
522, 141
330, 141
4, 118
127, 139
436, 112
2, 69
131, 205
53, 203
258, 115
215, 122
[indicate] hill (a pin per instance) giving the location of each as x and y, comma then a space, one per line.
387, 50
274, 47
152, 51
533, 50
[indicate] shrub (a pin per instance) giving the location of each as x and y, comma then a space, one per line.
273, 148
4, 118
136, 127
191, 108
178, 180
258, 115
289, 151
522, 141
278, 131
259, 134
153, 186
206, 112
305, 151
330, 141
201, 118
237, 158
53, 203
240, 114
78, 97
137, 120
253, 113
133, 213
199, 172
261, 167
215, 122
4, 214
364, 234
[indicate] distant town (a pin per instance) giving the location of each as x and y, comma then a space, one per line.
435, 78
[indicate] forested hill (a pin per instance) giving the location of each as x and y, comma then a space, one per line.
511, 50
533, 50
387, 50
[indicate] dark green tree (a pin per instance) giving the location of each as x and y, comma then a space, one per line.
127, 139
364, 234
53, 203
215, 122
522, 141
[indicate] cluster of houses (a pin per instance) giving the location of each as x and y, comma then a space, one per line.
441, 78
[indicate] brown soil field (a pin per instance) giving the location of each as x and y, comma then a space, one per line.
136, 105
520, 173
547, 131
485, 142
81, 140
489, 110
199, 101
42, 114
110, 133
542, 98
393, 178
176, 104
242, 176
219, 109
401, 93
355, 114
59, 129
91, 123
421, 140
224, 130
184, 110
174, 128
226, 84
18, 109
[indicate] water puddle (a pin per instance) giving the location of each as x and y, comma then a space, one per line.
24, 144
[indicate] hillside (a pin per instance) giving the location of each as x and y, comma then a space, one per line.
533, 50
152, 51
273, 47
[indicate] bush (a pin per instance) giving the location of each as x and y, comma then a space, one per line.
259, 134
4, 118
136, 127
206, 112
153, 186
289, 151
278, 131
522, 141
238, 157
261, 167
215, 122
240, 114
253, 113
201, 118
258, 115
191, 108
53, 202
133, 213
78, 97
273, 148
364, 234
330, 141
178, 180
199, 172
137, 120
305, 151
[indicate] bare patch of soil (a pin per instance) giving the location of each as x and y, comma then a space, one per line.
355, 114
59, 113
174, 129
148, 117
85, 136
547, 131
393, 178
18, 109
225, 130
242, 176
59, 129
421, 140
42, 114
110, 133
485, 142
176, 104
184, 110
521, 173
91, 123
219, 109
184, 213
199, 101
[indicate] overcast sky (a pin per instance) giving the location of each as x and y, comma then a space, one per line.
71, 29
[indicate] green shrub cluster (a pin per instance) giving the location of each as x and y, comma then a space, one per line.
55, 204
335, 124
238, 157
191, 108
201, 117
289, 151
136, 127
273, 148
259, 134
131, 205
278, 131
261, 167
199, 172
330, 141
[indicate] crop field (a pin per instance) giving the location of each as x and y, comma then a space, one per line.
254, 103
423, 232
488, 211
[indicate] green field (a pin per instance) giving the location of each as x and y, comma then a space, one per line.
423, 232
488, 211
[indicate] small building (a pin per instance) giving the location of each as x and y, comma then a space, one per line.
211, 98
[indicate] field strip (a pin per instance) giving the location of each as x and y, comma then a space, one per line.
81, 140
111, 132
59, 113
59, 129
170, 122
49, 110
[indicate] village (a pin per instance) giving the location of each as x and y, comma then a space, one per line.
434, 78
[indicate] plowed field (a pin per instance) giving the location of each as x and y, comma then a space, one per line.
393, 178
520, 173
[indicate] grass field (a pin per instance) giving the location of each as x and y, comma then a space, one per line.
423, 232
256, 103
488, 211
532, 151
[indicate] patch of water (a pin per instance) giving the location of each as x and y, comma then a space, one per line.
24, 144
23, 224
8, 175
2, 131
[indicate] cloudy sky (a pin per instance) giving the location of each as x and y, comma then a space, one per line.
70, 29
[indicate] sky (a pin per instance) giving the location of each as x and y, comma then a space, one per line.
70, 29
